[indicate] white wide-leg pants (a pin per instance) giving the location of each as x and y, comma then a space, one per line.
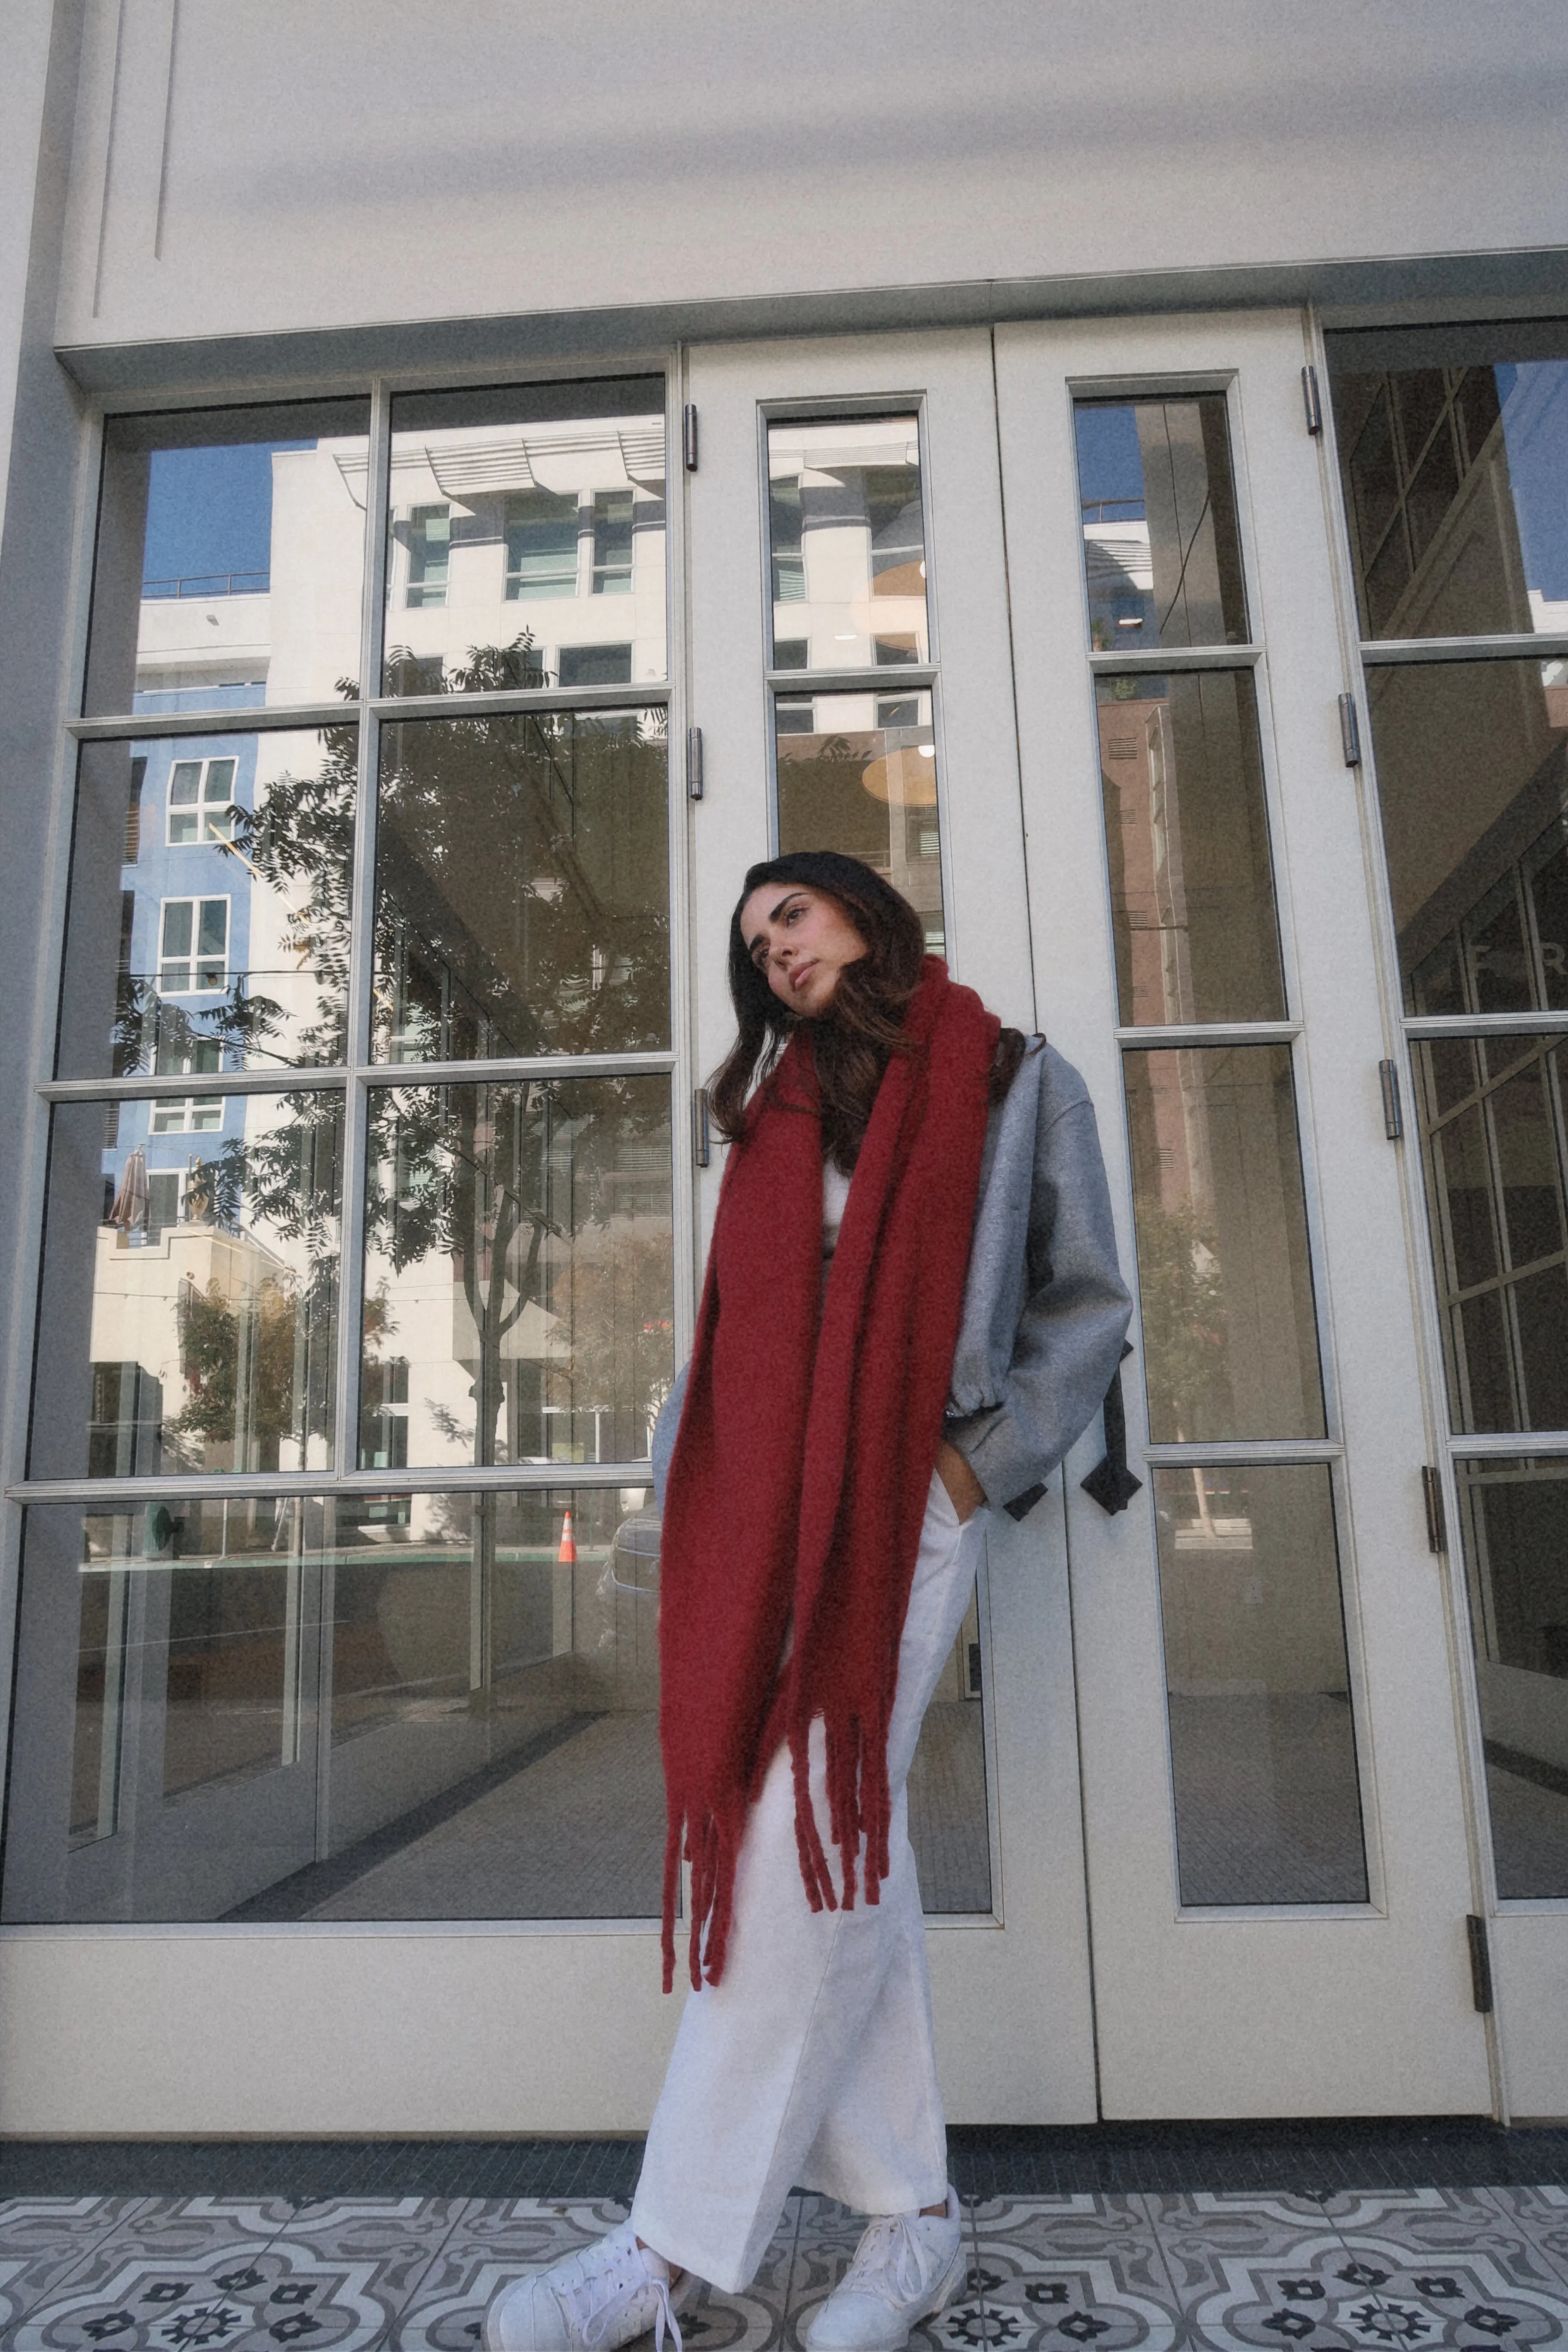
811, 2064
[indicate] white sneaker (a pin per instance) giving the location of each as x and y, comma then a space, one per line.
591, 2302
906, 2266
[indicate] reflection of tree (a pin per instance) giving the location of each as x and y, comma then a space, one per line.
1183, 1291
616, 1298
522, 873
240, 1362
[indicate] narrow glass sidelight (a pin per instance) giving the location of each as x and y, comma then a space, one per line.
1514, 1512
526, 538
1230, 1343
522, 886
207, 927
190, 1286
1192, 889
230, 558
857, 772
1162, 548
1263, 1750
1496, 1158
518, 1273
847, 545
1453, 480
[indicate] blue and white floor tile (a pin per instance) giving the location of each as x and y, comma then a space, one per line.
1480, 2269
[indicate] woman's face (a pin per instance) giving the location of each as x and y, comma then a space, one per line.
801, 939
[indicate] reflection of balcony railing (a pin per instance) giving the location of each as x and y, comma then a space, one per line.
209, 583
1114, 510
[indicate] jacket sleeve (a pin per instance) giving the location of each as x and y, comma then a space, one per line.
1074, 1320
664, 1433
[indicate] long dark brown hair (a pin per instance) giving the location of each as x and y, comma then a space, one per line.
863, 1027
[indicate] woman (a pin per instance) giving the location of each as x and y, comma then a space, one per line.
912, 1310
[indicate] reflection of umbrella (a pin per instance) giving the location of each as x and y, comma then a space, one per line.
130, 1209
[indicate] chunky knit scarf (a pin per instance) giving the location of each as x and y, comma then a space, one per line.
806, 1445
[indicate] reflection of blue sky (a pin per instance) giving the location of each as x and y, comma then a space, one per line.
1535, 397
1110, 463
210, 510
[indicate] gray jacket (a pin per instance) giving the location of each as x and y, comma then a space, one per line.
1045, 1310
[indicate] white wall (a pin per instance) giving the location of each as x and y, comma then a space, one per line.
275, 164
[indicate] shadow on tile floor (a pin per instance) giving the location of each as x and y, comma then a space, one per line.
1471, 2269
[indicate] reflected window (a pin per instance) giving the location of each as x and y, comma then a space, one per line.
1161, 549
1192, 889
539, 494
243, 899
518, 1268
1229, 1330
521, 896
190, 1287
1515, 1515
859, 774
1455, 481
1257, 1685
230, 558
846, 542
429, 554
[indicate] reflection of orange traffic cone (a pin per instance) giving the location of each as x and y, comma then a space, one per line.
567, 1555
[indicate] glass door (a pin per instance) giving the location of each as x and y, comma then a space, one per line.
1273, 1798
1453, 449
851, 677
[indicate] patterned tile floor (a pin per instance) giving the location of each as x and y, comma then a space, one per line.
1471, 2269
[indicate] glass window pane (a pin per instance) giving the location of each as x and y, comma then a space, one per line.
1472, 782
1495, 1165
220, 942
193, 1330
857, 772
1456, 480
1262, 1735
847, 550
1192, 892
230, 558
398, 1707
1230, 1346
518, 1268
1515, 1523
513, 508
522, 886
1162, 550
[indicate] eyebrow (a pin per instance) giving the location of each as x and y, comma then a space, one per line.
773, 914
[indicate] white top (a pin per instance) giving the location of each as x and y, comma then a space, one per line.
835, 1195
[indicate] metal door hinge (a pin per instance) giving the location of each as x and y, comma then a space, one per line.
1432, 1498
1392, 1113
701, 1128
1481, 1963
1311, 400
1350, 730
694, 763
689, 435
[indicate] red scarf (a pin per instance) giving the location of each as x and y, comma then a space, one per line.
803, 1457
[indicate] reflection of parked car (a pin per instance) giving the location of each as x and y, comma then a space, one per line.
633, 1565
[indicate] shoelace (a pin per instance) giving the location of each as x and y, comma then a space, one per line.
628, 2280
891, 2261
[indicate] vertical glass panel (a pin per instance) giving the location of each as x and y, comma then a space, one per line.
208, 918
1262, 1735
1161, 545
522, 886
1495, 1166
1472, 782
1455, 480
846, 540
949, 1824
189, 1304
1230, 1343
1515, 1519
230, 558
857, 772
518, 1270
1191, 891
515, 511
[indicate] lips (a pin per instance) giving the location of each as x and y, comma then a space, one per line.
801, 974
